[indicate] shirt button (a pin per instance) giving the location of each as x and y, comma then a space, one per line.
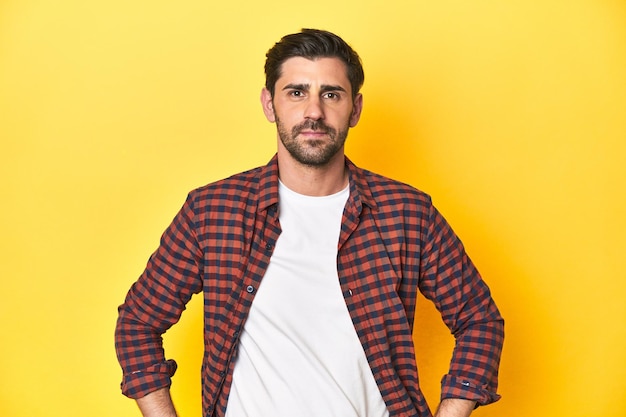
250, 289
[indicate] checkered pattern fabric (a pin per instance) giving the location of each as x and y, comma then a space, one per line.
393, 242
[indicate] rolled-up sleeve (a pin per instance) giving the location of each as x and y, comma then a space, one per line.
452, 282
154, 303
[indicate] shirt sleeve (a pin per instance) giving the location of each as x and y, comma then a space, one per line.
154, 303
452, 282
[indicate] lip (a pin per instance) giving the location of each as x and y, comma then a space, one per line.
313, 133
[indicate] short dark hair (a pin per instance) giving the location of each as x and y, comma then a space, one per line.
311, 44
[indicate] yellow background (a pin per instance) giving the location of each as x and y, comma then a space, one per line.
511, 114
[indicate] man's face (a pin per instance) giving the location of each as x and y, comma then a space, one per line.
313, 109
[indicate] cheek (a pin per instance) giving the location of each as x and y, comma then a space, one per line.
287, 118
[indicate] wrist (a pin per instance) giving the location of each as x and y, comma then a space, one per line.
455, 407
157, 404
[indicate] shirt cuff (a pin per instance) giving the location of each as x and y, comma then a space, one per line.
140, 383
456, 387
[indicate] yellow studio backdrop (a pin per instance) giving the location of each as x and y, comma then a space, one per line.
511, 114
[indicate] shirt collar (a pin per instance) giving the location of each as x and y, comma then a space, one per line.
268, 185
359, 187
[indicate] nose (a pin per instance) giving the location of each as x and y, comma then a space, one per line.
314, 109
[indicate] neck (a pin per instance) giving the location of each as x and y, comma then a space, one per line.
313, 180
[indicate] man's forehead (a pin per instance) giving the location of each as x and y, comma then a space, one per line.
326, 70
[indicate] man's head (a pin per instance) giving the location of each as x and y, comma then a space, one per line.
311, 93
313, 44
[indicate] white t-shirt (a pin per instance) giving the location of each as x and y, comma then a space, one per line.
299, 354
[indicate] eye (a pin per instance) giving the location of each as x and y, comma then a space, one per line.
296, 93
331, 96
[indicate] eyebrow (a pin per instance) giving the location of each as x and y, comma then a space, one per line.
305, 87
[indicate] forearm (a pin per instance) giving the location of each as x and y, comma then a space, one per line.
455, 407
473, 373
153, 304
453, 283
157, 404
140, 354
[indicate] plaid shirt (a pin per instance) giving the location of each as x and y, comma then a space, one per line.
392, 243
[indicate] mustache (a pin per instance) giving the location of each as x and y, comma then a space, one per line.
316, 125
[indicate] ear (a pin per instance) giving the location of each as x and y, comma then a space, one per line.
357, 107
268, 105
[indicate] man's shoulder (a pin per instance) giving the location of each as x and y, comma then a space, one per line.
386, 190
236, 186
248, 178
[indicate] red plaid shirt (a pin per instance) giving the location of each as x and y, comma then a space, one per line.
392, 243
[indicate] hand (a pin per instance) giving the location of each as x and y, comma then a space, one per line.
455, 407
157, 404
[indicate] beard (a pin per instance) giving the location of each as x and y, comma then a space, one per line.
312, 152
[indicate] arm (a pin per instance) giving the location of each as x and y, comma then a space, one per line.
454, 407
157, 404
154, 303
451, 281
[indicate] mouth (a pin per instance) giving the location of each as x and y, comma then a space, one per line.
312, 129
313, 133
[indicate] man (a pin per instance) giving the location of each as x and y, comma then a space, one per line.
310, 269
